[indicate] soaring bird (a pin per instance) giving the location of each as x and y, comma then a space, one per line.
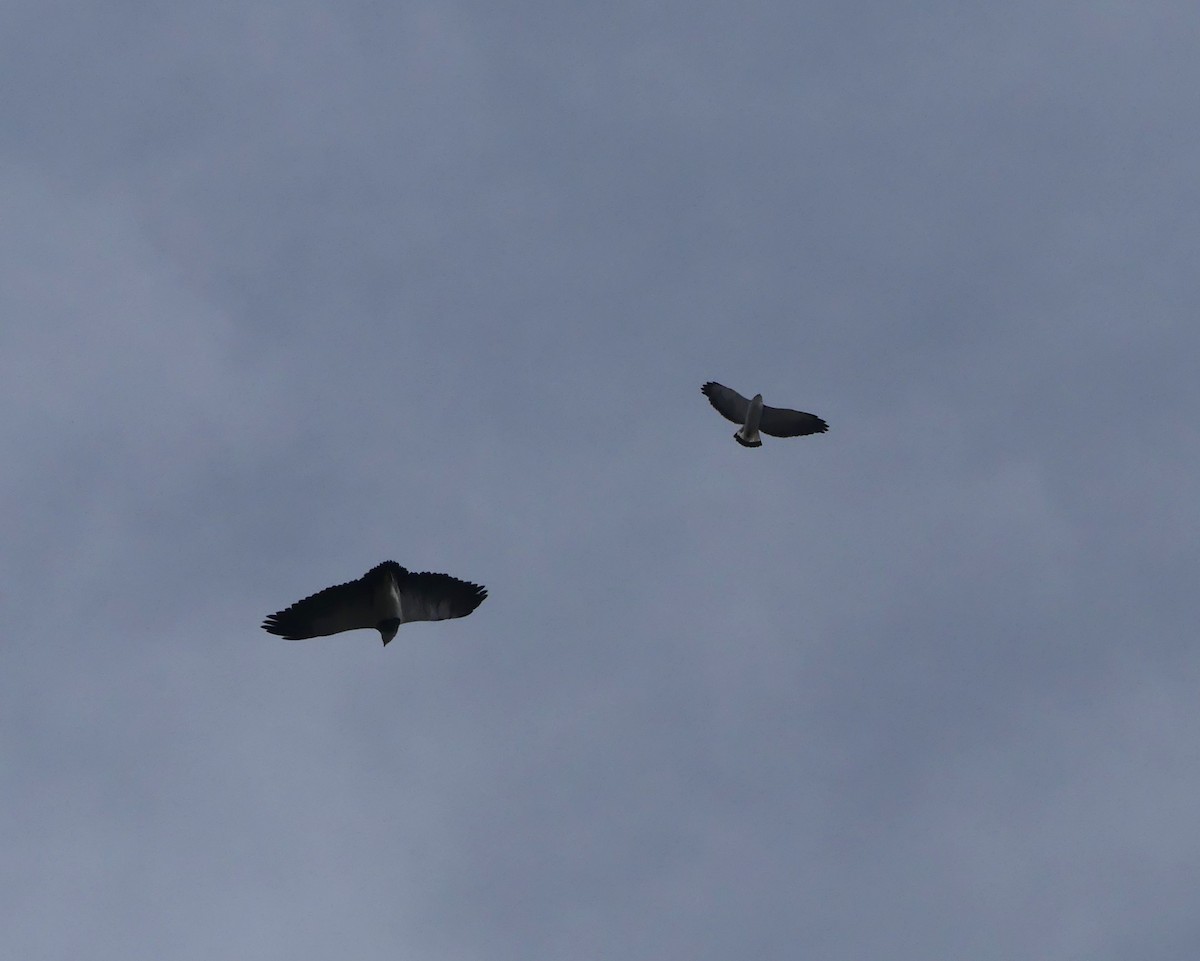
383, 598
754, 416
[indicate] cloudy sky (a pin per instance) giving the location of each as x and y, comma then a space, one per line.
287, 290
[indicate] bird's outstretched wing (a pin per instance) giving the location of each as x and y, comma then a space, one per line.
729, 403
781, 422
346, 607
437, 597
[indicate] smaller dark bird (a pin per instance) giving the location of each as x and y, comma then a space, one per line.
754, 416
383, 598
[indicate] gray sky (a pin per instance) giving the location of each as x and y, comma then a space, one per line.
290, 289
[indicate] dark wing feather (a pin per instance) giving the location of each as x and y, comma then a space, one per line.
436, 597
345, 607
781, 422
729, 403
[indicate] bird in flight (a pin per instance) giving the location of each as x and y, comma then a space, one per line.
755, 416
383, 598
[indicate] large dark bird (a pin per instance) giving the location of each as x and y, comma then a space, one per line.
383, 598
754, 416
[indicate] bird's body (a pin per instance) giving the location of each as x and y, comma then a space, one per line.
748, 435
754, 416
383, 599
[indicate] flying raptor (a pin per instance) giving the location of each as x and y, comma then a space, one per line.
755, 416
383, 598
